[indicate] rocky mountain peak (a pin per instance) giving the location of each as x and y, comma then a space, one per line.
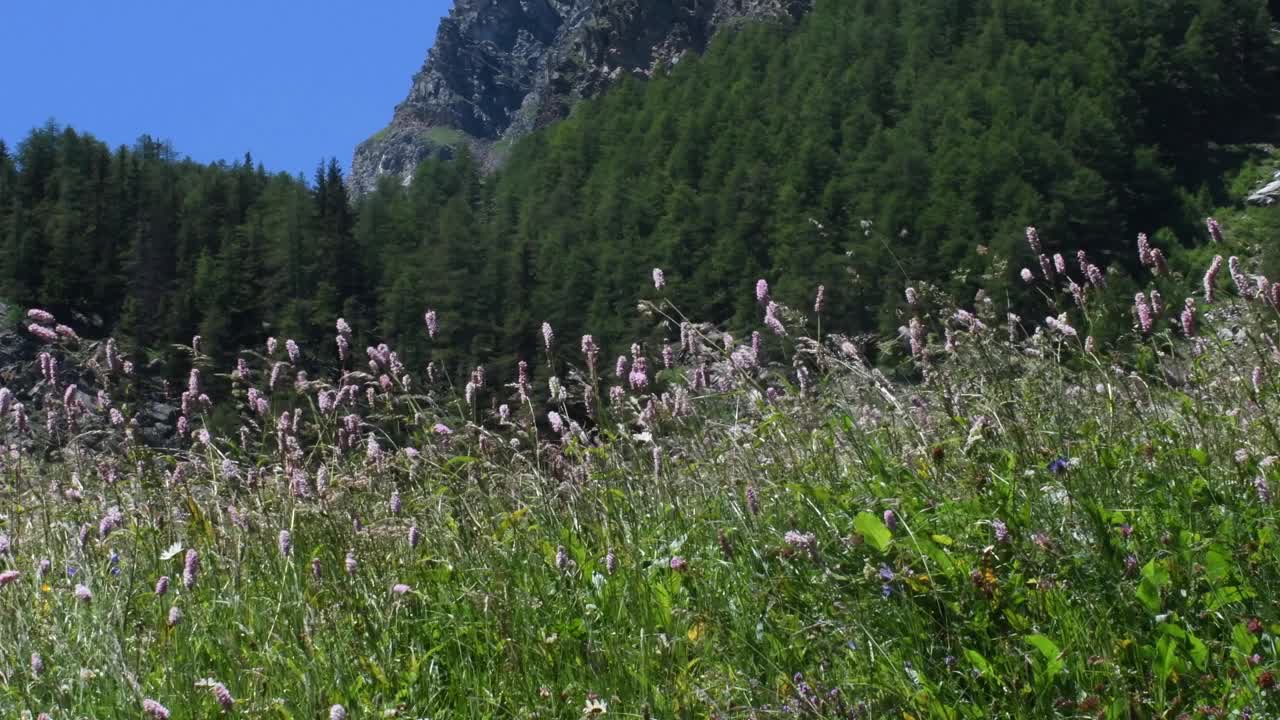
500, 69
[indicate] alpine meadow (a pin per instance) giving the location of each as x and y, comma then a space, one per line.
679, 359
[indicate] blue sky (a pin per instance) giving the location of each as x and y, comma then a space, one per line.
290, 82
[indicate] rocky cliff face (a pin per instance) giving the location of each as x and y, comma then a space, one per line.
500, 69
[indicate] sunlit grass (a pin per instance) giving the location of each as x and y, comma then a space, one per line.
1030, 530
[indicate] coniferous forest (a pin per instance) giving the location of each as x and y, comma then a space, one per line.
872, 143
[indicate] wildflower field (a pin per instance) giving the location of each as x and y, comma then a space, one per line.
986, 517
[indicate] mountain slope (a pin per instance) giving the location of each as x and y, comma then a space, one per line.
500, 69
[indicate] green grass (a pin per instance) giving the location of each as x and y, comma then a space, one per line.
444, 136
955, 571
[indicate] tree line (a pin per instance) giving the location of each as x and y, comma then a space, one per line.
871, 144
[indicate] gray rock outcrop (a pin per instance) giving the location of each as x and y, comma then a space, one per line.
500, 69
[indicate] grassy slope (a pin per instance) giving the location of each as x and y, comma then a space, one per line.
952, 572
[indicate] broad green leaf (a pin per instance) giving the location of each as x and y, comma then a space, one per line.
873, 530
1244, 640
1220, 597
1166, 652
979, 663
1154, 577
1199, 653
1047, 647
1051, 653
1216, 566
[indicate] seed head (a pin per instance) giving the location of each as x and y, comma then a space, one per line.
726, 548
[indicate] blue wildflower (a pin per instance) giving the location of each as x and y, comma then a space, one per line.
1059, 466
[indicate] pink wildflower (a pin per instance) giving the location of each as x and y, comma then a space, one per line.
1215, 230
1046, 267
1210, 276
1189, 318
1033, 240
1061, 325
1237, 276
42, 317
771, 320
1144, 251
155, 710
42, 333
1144, 313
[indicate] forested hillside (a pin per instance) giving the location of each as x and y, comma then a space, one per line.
873, 142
